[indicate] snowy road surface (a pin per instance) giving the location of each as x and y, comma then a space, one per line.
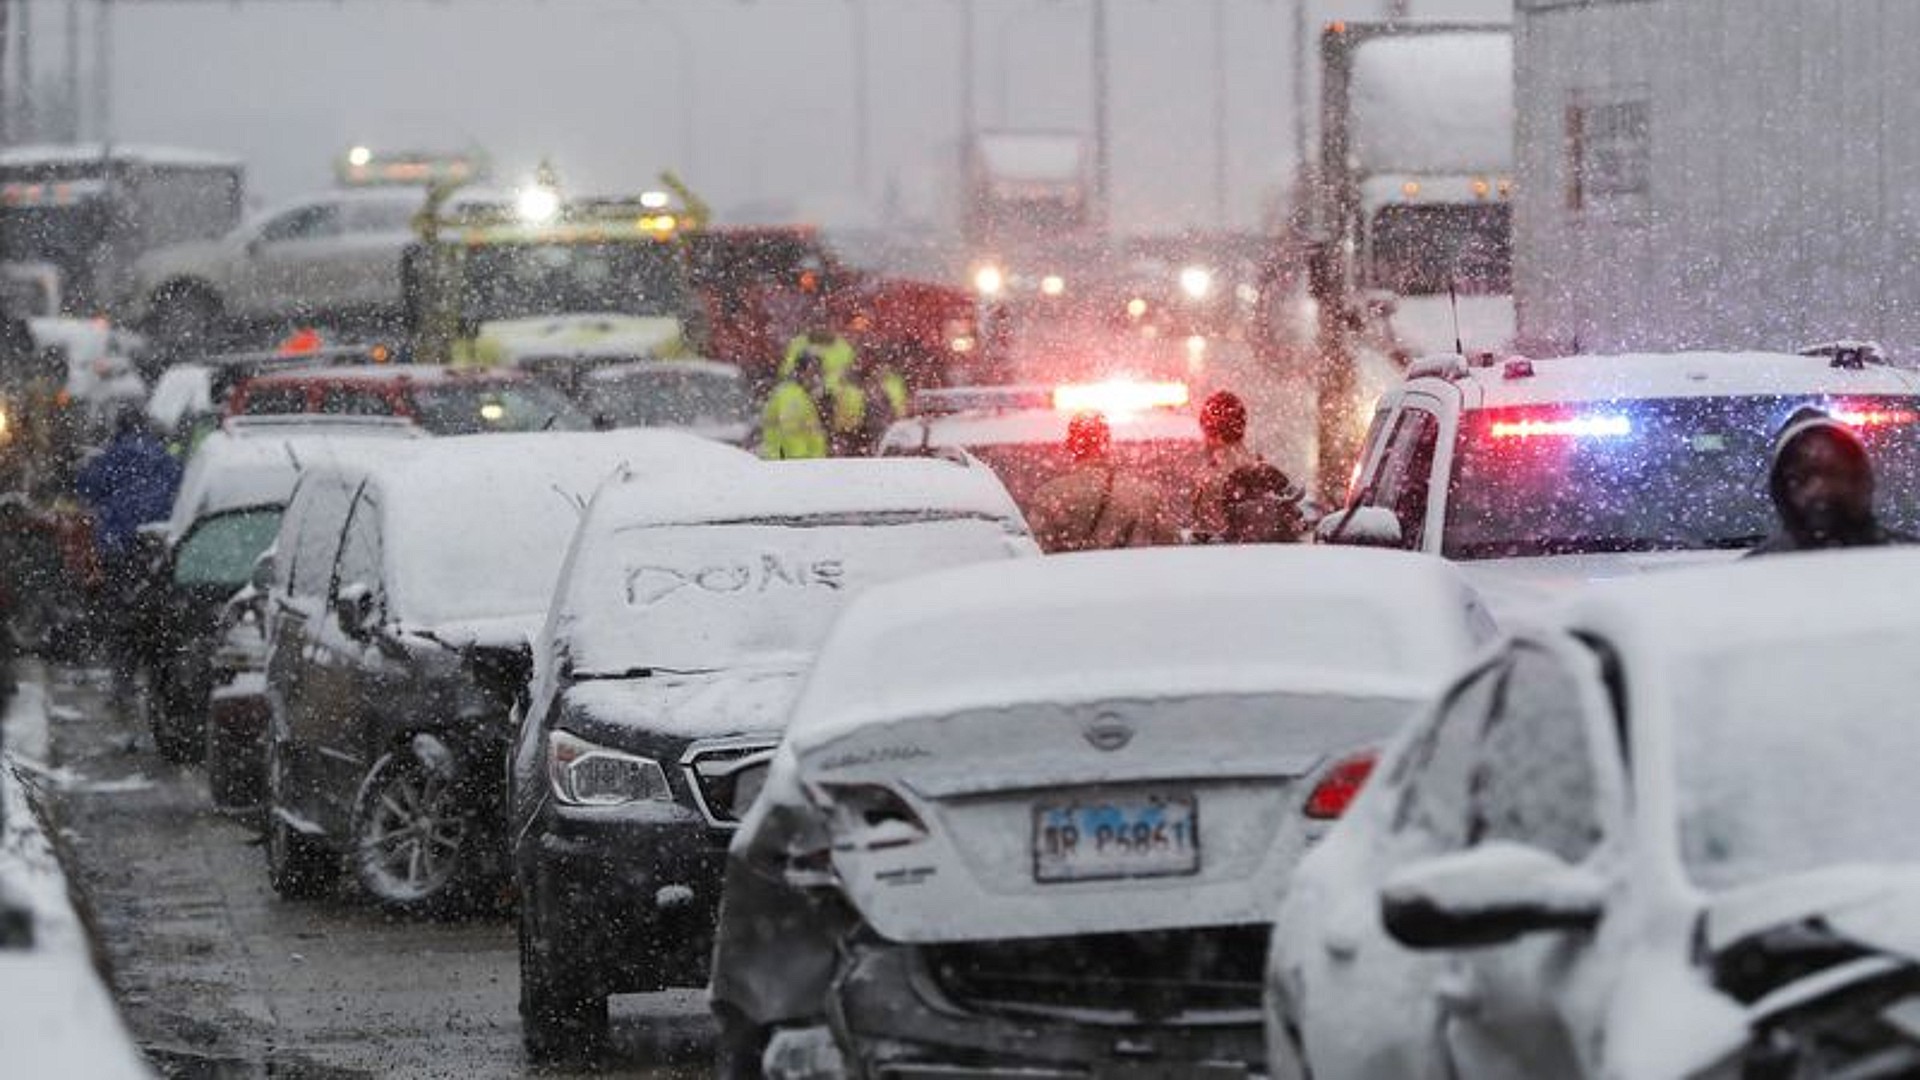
219, 977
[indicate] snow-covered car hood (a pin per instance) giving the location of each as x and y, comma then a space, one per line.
1876, 906
1528, 588
509, 341
740, 701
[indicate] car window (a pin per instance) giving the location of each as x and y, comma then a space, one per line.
1405, 475
1533, 779
370, 216
220, 551
1434, 774
275, 400
355, 401
302, 223
359, 561
320, 525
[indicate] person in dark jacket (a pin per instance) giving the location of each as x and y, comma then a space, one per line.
1261, 506
1822, 488
130, 483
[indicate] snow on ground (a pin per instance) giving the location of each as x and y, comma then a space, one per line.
59, 1018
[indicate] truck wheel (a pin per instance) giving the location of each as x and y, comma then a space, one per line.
415, 838
298, 867
560, 1019
185, 319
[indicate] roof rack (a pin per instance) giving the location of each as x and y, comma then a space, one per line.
1849, 354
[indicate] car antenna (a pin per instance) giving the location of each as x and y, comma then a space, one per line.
1453, 301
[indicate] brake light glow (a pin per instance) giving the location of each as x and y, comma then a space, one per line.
1577, 427
1872, 418
1119, 396
1340, 786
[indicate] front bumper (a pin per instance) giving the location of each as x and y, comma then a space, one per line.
895, 1022
628, 896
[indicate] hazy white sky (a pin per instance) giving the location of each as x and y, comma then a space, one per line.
600, 88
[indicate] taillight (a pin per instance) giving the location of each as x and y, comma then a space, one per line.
871, 817
1337, 789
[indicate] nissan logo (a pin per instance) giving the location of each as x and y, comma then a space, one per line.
1108, 732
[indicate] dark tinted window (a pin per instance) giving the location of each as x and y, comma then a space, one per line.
668, 399
275, 400
221, 550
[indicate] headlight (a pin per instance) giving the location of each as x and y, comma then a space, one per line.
1196, 282
989, 280
587, 774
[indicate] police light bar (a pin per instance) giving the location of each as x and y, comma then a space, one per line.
1119, 396
1578, 427
1870, 416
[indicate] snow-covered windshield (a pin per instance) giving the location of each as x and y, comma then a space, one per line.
477, 408
516, 281
704, 596
1798, 755
1674, 474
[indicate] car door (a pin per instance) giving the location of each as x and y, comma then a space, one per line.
1347, 1028
350, 671
309, 543
293, 263
375, 233
1546, 774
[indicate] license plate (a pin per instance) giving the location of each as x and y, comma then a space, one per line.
1119, 836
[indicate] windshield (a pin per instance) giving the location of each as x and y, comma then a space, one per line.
1672, 474
667, 398
706, 596
221, 550
1830, 718
1419, 250
517, 281
477, 408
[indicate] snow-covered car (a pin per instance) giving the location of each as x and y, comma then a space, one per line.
687, 615
406, 592
1664, 836
702, 396
443, 400
1545, 474
1021, 431
1034, 819
225, 514
331, 256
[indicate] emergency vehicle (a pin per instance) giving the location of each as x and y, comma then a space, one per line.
362, 167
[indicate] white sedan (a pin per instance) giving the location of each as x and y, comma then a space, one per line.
1669, 836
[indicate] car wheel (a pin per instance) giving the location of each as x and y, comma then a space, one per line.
415, 837
560, 1019
298, 867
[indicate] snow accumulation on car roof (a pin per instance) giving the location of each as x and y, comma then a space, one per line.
418, 373
1751, 602
1146, 623
477, 525
248, 466
617, 372
1029, 427
1684, 375
835, 487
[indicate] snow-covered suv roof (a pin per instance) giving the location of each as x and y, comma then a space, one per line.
1640, 376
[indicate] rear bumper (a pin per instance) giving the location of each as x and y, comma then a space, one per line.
896, 1022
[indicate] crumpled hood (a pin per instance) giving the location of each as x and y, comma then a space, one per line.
1531, 587
734, 702
497, 632
1875, 906
508, 341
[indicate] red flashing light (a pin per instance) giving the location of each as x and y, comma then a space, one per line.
1579, 427
1868, 417
1120, 397
1341, 785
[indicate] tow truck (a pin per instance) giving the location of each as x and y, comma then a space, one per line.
1020, 431
540, 280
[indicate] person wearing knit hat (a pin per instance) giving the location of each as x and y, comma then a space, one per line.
1822, 485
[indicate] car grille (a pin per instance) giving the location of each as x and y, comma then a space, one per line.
726, 776
1120, 978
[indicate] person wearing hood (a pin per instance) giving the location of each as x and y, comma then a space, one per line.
1822, 484
1098, 503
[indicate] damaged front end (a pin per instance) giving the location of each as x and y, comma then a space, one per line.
1176, 1003
1820, 1003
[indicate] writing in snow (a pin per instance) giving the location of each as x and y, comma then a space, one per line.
649, 585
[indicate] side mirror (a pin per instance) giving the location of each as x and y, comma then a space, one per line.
358, 613
1490, 894
1362, 526
265, 569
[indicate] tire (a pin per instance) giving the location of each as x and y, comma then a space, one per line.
298, 867
185, 320
560, 1019
417, 836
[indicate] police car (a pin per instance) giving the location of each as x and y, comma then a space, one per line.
1021, 431
1609, 464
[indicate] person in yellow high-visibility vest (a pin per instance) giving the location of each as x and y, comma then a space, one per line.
853, 382
793, 424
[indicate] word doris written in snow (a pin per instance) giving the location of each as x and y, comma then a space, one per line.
647, 585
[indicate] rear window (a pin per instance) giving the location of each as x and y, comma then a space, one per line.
275, 400
479, 408
1672, 474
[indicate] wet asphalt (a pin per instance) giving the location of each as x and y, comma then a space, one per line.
219, 977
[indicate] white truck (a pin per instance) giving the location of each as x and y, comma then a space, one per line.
1027, 187
1406, 205
1716, 173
